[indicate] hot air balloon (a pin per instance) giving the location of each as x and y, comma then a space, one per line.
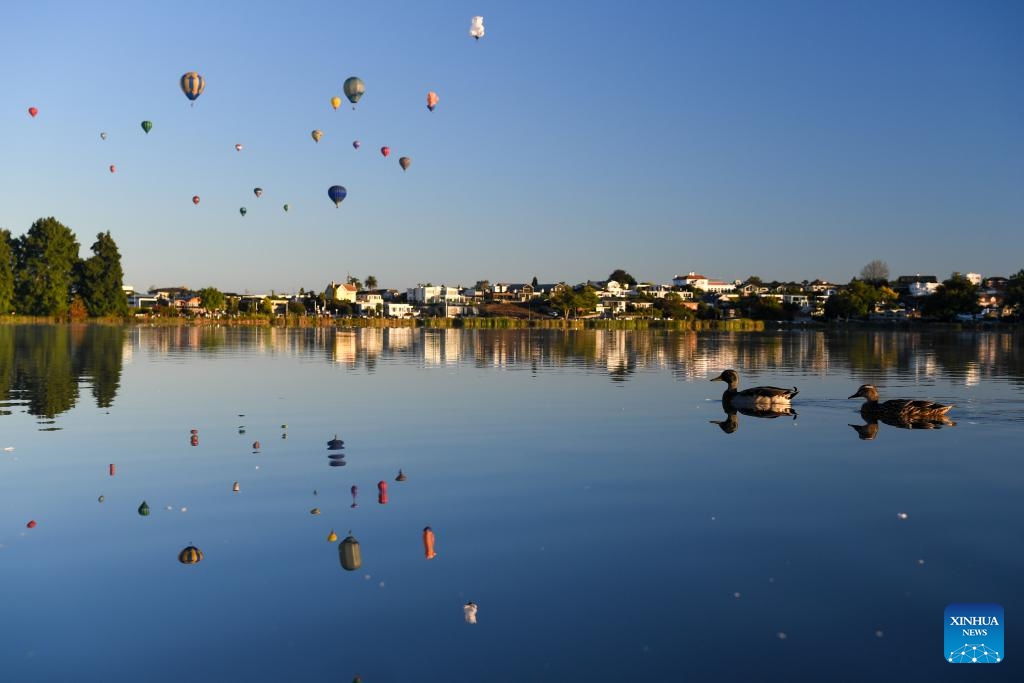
314, 511
285, 207
147, 126
382, 492
476, 27
349, 555
431, 100
335, 101
405, 163
195, 199
190, 555
192, 85
32, 111
317, 134
385, 151
113, 168
428, 543
354, 89
236, 488
112, 469
401, 476
238, 147
469, 610
103, 136
242, 211
258, 191
355, 492
31, 524
332, 537
337, 193
356, 144
144, 509
335, 444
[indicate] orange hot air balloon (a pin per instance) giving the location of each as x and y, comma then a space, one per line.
32, 111
112, 469
382, 492
428, 543
335, 101
113, 168
431, 100
195, 199
385, 151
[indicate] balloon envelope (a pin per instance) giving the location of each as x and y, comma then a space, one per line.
147, 126
192, 85
476, 27
190, 555
405, 163
356, 144
317, 134
238, 147
258, 191
242, 211
32, 111
335, 101
354, 89
113, 168
337, 193
195, 199
103, 136
431, 100
385, 151
285, 207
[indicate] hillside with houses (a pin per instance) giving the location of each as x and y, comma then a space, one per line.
961, 297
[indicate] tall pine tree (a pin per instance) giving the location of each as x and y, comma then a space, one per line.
101, 279
6, 273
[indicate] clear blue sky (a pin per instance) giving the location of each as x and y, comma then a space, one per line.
789, 140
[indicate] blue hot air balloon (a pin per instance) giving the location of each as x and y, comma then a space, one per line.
337, 193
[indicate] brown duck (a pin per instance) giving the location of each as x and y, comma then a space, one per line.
766, 398
898, 410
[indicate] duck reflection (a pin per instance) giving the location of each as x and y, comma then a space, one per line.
732, 421
869, 430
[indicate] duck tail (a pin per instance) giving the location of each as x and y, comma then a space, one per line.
795, 392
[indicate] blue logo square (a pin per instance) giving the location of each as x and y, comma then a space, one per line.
973, 633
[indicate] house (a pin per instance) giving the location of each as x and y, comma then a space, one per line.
397, 310
431, 294
691, 279
340, 292
369, 303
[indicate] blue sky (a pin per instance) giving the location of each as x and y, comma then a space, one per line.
789, 140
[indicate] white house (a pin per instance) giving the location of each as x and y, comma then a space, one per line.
691, 279
397, 310
340, 292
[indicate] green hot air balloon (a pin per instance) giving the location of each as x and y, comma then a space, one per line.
285, 207
242, 211
354, 89
144, 509
147, 126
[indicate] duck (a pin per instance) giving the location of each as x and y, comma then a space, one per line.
754, 397
899, 410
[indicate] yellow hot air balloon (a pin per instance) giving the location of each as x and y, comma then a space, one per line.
317, 134
332, 537
190, 555
192, 84
335, 101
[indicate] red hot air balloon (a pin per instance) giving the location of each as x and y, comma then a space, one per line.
32, 111
195, 199
382, 492
112, 469
428, 543
31, 524
113, 168
385, 151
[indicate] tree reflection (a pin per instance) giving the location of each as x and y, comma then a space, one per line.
43, 365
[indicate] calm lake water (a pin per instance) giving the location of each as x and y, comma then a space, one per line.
579, 486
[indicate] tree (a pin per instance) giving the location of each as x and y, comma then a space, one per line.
563, 299
755, 280
954, 296
371, 282
1014, 291
353, 280
6, 273
213, 299
622, 277
101, 280
534, 283
855, 301
45, 260
671, 306
876, 272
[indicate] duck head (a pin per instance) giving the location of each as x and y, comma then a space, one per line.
730, 377
867, 391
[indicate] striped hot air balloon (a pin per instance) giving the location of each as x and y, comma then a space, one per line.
190, 555
192, 85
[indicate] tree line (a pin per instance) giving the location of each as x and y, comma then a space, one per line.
42, 274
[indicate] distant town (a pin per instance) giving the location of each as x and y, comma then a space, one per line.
873, 296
